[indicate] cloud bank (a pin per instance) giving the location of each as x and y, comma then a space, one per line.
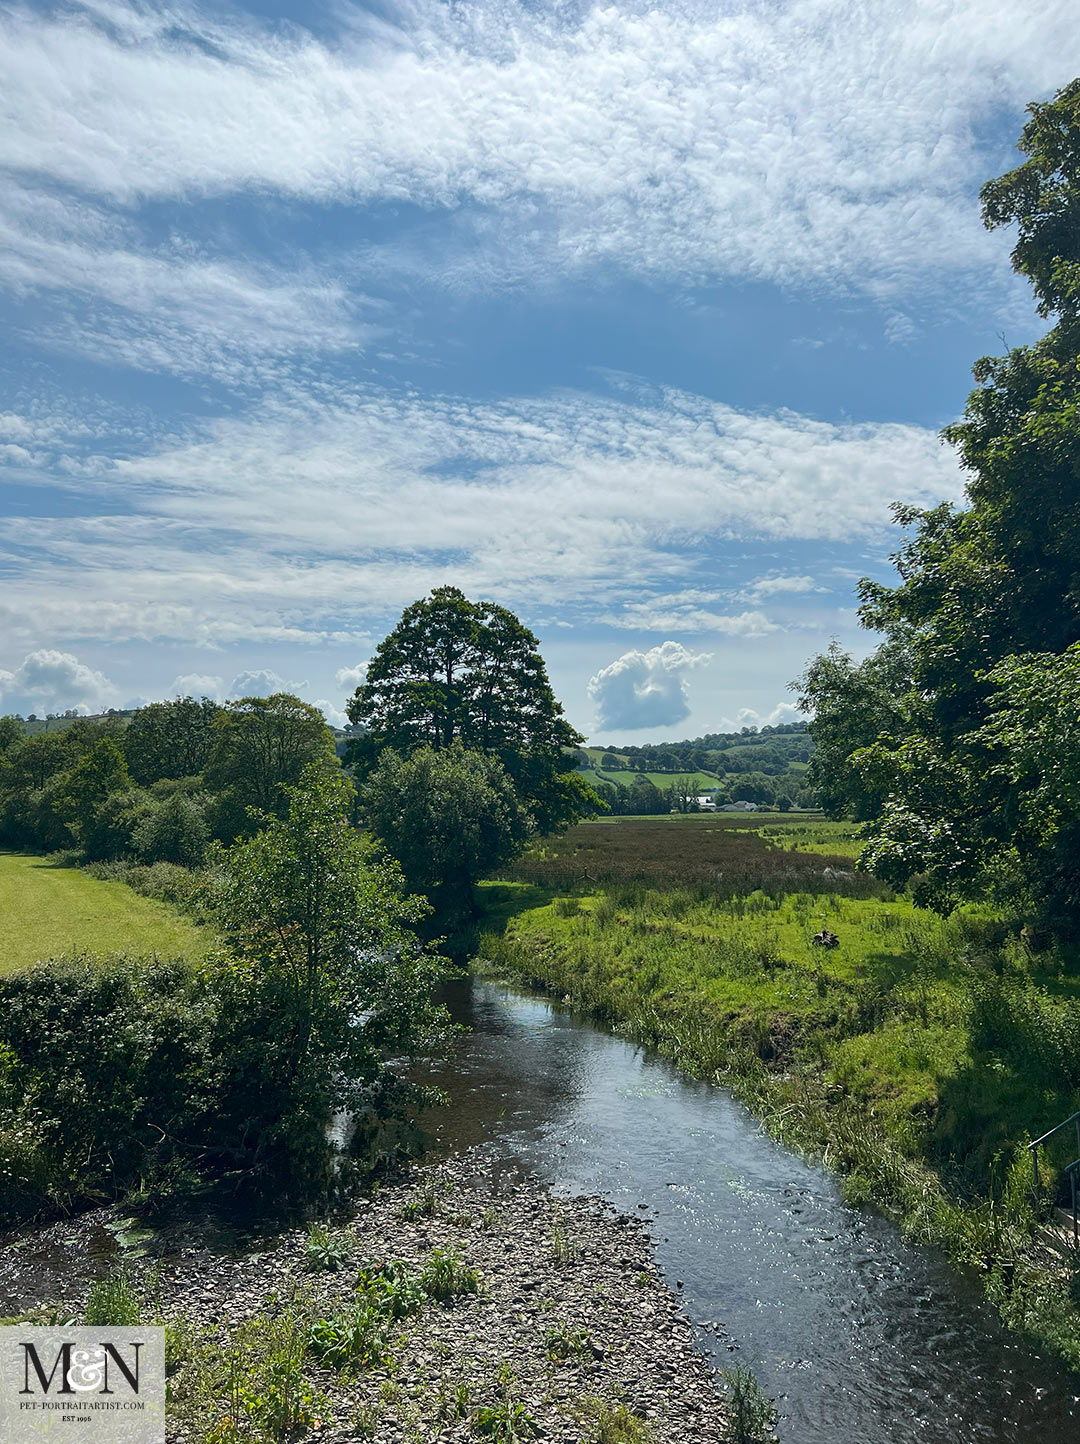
802, 142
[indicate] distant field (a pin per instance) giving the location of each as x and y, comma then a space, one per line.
46, 911
695, 781
727, 852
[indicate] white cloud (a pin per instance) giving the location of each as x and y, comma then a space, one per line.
52, 681
687, 611
261, 683
645, 689
197, 684
782, 712
333, 714
351, 677
265, 527
174, 306
799, 141
772, 586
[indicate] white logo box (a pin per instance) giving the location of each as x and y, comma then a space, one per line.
82, 1386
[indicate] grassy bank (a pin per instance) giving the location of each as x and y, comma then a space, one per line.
48, 911
918, 1057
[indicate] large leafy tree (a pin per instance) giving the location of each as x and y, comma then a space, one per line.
988, 599
308, 907
457, 671
448, 817
260, 748
170, 739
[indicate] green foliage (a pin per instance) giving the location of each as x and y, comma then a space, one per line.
565, 1248
852, 704
251, 1388
359, 1337
445, 1275
449, 817
174, 830
613, 1423
507, 1422
325, 1250
113, 1301
392, 1289
159, 1075
170, 739
563, 1342
750, 1411
453, 670
260, 748
968, 765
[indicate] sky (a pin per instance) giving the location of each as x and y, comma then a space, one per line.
634, 318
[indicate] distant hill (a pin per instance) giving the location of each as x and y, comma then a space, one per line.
755, 765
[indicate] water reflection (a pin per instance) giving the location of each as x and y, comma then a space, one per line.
860, 1337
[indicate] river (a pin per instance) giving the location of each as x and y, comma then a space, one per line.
859, 1336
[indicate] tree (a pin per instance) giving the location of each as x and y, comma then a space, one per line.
91, 790
453, 670
988, 599
449, 817
10, 733
260, 748
852, 704
170, 739
174, 830
308, 907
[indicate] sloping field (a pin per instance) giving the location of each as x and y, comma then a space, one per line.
46, 911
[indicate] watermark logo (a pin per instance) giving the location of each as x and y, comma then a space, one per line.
97, 1385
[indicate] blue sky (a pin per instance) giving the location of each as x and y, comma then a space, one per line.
634, 319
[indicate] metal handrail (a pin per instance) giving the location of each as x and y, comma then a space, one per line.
1072, 1171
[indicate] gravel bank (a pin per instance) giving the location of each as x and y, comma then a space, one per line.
570, 1308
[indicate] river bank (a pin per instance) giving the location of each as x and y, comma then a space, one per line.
555, 1319
889, 1071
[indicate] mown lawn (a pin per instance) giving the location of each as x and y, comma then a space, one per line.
46, 911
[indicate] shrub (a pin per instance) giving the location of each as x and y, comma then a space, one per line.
324, 1250
750, 1414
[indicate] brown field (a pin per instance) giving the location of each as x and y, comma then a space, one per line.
725, 857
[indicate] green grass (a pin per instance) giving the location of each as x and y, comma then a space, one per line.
47, 911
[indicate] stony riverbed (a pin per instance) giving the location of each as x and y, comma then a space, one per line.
571, 1319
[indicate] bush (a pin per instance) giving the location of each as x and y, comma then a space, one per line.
173, 831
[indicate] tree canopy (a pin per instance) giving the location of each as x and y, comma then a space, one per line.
457, 671
987, 604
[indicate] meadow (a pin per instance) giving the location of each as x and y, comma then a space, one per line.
918, 1057
48, 911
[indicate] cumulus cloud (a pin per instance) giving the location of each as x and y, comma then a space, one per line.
52, 681
792, 141
262, 683
333, 714
197, 684
645, 689
351, 677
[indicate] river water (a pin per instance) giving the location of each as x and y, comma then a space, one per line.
860, 1337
